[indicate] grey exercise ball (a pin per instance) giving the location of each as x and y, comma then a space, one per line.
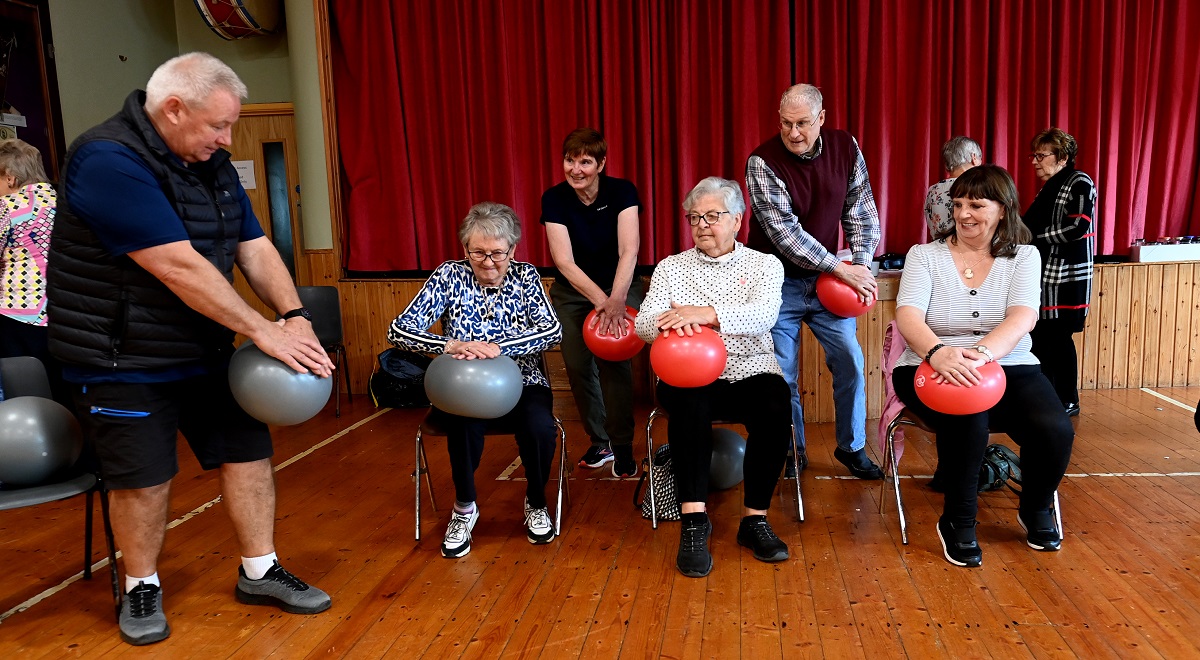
484, 389
271, 392
38, 437
729, 453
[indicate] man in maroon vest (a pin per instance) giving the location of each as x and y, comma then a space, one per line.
805, 185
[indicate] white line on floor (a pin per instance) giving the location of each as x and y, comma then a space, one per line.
180, 520
1168, 399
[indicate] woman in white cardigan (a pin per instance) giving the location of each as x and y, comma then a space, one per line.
725, 287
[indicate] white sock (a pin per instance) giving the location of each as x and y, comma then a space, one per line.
257, 567
131, 582
464, 507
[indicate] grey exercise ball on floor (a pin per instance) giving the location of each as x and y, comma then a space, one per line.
272, 392
38, 437
480, 388
729, 453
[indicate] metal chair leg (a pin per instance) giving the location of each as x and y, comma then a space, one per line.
654, 414
112, 553
893, 464
422, 468
337, 384
87, 536
796, 467
1058, 516
345, 372
563, 485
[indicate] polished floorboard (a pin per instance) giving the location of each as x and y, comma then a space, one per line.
1126, 583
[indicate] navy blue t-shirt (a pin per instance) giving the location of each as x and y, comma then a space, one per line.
593, 228
114, 192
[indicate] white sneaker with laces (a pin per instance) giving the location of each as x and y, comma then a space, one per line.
458, 534
541, 530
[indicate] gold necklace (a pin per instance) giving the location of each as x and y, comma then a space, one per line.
967, 272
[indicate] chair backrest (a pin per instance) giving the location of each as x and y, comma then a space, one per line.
325, 304
24, 376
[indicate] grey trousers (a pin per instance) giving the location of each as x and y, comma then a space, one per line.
603, 390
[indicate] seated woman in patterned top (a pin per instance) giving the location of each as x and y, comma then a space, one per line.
968, 298
490, 305
726, 287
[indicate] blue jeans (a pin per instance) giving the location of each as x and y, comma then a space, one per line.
843, 356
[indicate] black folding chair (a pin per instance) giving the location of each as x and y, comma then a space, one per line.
324, 302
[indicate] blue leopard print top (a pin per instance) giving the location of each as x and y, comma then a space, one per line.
516, 316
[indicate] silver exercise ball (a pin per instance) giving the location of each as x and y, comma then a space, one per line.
729, 452
484, 389
38, 437
271, 392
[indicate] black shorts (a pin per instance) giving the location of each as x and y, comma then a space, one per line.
133, 427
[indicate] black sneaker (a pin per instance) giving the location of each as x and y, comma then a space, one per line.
756, 533
694, 559
1072, 409
789, 468
1040, 533
623, 464
859, 464
142, 620
596, 456
959, 544
280, 588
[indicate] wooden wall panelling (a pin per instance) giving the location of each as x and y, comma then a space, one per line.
1089, 346
1166, 335
1136, 355
1121, 335
1108, 310
1193, 355
1153, 304
1184, 349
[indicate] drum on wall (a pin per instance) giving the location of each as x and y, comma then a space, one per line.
241, 19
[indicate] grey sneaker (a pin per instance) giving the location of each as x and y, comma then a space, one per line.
282, 589
142, 619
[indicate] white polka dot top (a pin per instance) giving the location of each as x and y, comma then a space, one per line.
744, 287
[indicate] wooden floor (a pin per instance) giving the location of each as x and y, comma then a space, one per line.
1126, 583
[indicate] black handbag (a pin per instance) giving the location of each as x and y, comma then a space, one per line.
662, 480
1000, 467
399, 380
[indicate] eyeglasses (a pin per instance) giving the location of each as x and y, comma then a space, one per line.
711, 218
1038, 157
498, 257
803, 124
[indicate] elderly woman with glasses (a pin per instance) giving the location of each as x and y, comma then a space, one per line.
490, 305
725, 287
1063, 220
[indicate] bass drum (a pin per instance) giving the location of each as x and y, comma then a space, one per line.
241, 19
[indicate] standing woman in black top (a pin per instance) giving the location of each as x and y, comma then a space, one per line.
592, 226
1063, 219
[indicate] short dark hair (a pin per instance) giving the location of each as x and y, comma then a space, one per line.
1059, 142
994, 183
585, 141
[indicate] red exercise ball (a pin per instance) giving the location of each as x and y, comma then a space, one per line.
839, 297
685, 361
954, 399
608, 347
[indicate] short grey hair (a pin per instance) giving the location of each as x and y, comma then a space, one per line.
193, 77
22, 161
715, 185
802, 94
959, 151
492, 220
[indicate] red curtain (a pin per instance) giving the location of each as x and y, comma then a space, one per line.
442, 105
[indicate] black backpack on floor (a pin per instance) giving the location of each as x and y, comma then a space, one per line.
399, 379
1000, 467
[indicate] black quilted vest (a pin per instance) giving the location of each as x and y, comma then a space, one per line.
108, 312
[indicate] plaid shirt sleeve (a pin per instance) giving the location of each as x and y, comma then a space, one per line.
773, 209
860, 218
1074, 211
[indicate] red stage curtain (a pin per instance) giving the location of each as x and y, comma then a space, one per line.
442, 105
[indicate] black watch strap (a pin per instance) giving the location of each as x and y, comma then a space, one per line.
299, 311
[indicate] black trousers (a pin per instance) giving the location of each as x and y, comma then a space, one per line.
1028, 412
1054, 347
532, 421
761, 402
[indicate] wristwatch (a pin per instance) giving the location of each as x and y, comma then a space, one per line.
299, 311
980, 348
